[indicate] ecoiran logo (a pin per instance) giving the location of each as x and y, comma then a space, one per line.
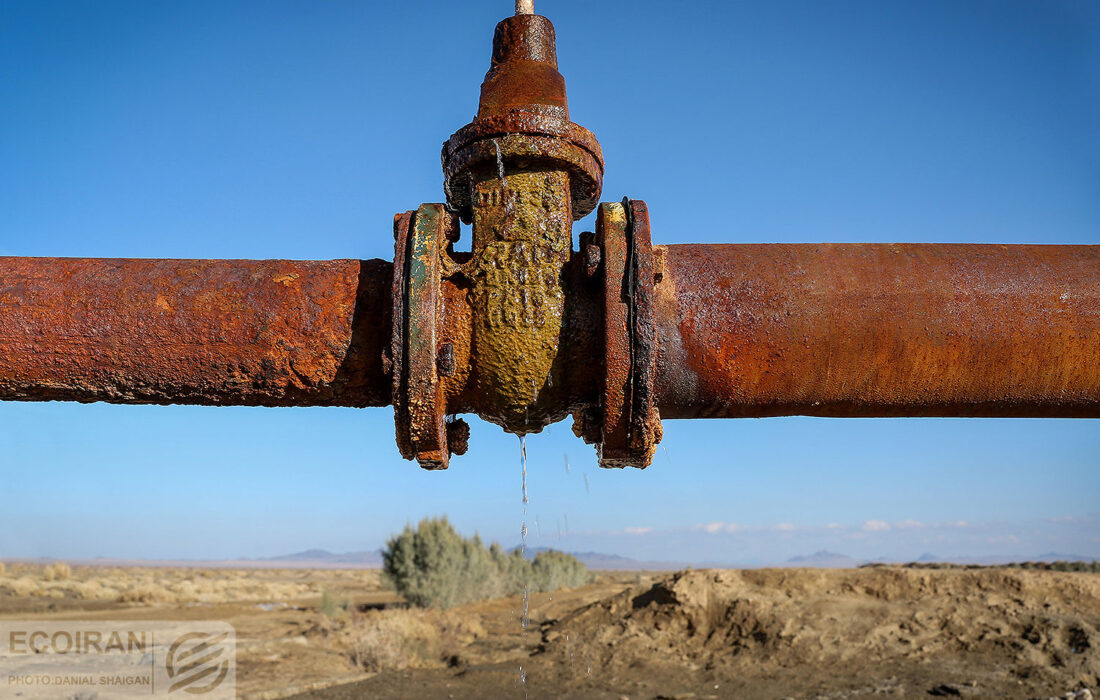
117, 659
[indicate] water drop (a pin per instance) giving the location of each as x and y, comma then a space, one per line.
500, 166
523, 462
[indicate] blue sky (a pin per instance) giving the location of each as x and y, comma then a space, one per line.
296, 130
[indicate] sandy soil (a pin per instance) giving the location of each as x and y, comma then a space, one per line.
794, 633
790, 633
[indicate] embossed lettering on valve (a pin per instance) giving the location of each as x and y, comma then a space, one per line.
522, 225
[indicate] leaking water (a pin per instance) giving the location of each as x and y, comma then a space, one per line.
500, 164
523, 463
525, 618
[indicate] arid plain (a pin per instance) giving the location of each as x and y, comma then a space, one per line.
767, 633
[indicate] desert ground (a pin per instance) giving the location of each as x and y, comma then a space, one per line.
767, 633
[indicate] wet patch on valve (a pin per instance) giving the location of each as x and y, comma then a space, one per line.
521, 242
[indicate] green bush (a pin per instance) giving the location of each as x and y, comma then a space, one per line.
433, 566
512, 569
333, 606
552, 570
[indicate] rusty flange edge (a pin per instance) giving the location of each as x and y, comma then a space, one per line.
424, 431
629, 423
523, 139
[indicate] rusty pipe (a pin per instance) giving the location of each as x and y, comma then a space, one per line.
214, 332
742, 330
879, 330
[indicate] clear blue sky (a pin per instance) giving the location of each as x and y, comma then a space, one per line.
296, 130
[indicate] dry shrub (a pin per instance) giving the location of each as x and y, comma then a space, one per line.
21, 587
58, 571
146, 593
413, 638
333, 605
138, 585
92, 590
432, 566
1, 568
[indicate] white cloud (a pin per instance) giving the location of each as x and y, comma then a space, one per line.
875, 526
834, 526
785, 527
718, 526
637, 530
909, 524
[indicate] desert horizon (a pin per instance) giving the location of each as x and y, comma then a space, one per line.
327, 634
600, 561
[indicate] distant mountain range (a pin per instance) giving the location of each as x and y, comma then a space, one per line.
823, 559
599, 561
614, 562
323, 559
372, 559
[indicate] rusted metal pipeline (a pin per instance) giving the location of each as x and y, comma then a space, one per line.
524, 330
743, 330
211, 332
879, 330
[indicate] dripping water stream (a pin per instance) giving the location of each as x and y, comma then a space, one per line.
525, 618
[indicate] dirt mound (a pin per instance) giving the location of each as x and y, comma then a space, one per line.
992, 632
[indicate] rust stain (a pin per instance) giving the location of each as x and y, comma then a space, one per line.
522, 242
70, 330
521, 172
880, 330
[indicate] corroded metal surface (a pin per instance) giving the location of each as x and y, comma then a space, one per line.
521, 172
645, 421
629, 424
523, 122
743, 330
879, 330
229, 332
417, 348
523, 140
522, 229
